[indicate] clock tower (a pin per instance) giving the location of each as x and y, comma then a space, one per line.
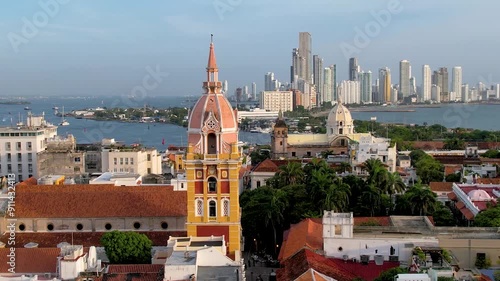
213, 162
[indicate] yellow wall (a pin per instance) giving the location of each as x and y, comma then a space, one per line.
231, 163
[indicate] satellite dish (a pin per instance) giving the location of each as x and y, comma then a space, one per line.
92, 260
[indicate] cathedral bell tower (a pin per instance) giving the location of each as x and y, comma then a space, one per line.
213, 162
279, 138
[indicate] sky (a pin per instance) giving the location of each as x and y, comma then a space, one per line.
160, 48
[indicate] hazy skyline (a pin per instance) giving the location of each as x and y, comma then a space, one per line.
104, 48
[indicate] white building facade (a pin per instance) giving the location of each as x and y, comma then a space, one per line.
19, 146
138, 161
277, 100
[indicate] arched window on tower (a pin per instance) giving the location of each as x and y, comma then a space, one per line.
341, 131
212, 209
212, 184
212, 143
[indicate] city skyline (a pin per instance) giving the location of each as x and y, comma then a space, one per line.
105, 48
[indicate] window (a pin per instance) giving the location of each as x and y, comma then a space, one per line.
212, 184
19, 157
341, 131
9, 157
30, 157
293, 154
121, 170
76, 169
20, 178
77, 160
225, 207
22, 227
258, 183
126, 160
30, 168
149, 157
164, 225
137, 225
199, 207
9, 168
131, 161
50, 227
114, 160
121, 160
149, 171
18, 145
212, 209
19, 168
281, 142
79, 226
212, 142
309, 153
29, 146
108, 226
7, 146
182, 185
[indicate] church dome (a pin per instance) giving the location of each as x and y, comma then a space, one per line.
479, 195
212, 125
339, 121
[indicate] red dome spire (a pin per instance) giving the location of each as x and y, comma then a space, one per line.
212, 62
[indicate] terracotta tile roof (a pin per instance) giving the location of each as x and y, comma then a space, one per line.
87, 239
367, 272
132, 277
439, 186
488, 180
428, 145
31, 260
491, 161
266, 166
135, 268
306, 234
382, 221
460, 205
99, 200
311, 275
296, 265
452, 169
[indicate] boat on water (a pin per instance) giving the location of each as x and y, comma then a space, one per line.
63, 121
27, 108
55, 108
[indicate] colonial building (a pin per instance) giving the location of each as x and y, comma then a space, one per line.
142, 161
212, 165
61, 158
340, 139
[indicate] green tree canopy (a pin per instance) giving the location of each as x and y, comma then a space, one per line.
127, 247
389, 274
488, 218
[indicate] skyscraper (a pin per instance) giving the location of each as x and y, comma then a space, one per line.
295, 69
254, 91
404, 78
305, 46
349, 92
445, 84
270, 84
384, 76
426, 83
457, 82
318, 78
413, 86
353, 69
365, 84
465, 93
334, 95
327, 84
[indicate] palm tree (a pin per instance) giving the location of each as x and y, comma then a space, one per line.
344, 167
273, 210
291, 173
371, 198
423, 200
337, 196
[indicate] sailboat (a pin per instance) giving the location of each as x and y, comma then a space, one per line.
63, 121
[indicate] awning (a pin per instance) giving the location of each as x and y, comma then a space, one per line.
467, 214
452, 196
460, 205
